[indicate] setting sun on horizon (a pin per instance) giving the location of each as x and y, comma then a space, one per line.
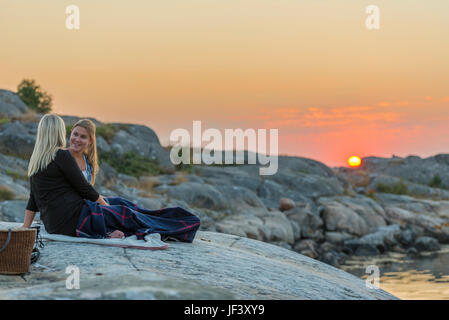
354, 161
311, 69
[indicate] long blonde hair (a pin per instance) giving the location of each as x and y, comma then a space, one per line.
92, 149
51, 136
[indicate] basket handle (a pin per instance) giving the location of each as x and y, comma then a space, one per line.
7, 241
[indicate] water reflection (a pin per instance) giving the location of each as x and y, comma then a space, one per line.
423, 277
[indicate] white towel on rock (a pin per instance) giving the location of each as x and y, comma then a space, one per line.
152, 241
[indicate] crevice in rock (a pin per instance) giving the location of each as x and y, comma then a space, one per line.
129, 259
235, 242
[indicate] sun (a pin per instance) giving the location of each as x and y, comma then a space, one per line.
354, 161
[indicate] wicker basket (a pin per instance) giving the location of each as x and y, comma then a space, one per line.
16, 256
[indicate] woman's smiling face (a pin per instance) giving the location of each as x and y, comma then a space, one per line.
79, 139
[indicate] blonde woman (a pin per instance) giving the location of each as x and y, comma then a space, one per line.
70, 205
57, 186
83, 148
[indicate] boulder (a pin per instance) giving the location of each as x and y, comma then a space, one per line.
286, 204
284, 184
357, 215
374, 243
14, 165
273, 227
427, 244
150, 203
337, 238
11, 105
195, 194
309, 223
430, 216
232, 227
304, 166
17, 138
20, 188
367, 208
406, 237
102, 145
143, 141
338, 217
307, 185
249, 226
279, 226
243, 201
106, 176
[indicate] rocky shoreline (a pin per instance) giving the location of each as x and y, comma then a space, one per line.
328, 214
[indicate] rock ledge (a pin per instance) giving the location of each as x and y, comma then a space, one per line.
214, 266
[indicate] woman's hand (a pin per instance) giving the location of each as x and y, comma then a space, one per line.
29, 216
101, 201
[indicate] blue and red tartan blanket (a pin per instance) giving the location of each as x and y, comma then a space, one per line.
96, 221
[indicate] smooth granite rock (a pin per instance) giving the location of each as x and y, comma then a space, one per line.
214, 266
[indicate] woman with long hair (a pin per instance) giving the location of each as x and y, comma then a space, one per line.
70, 205
83, 147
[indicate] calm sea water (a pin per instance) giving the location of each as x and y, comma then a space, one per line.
424, 277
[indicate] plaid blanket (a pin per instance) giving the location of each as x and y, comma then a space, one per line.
96, 221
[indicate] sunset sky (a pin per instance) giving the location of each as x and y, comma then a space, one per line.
309, 68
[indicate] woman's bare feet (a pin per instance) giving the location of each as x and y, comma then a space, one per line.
116, 234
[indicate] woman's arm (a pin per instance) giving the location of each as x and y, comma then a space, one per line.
30, 210
29, 216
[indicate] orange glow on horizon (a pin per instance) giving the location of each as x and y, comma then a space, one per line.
310, 69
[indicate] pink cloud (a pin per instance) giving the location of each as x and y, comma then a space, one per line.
384, 104
392, 104
335, 117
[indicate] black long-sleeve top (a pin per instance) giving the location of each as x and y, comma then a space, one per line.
57, 192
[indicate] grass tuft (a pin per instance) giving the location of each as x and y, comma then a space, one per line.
131, 163
395, 188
